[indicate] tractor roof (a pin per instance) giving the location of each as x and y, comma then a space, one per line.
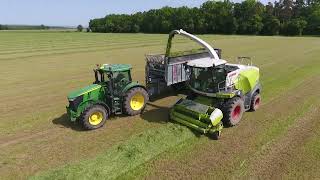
115, 67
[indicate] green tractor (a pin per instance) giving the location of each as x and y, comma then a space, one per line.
113, 92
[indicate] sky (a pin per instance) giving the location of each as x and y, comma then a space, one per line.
75, 12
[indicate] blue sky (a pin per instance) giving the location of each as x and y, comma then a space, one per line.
74, 12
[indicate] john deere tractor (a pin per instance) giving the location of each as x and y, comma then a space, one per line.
113, 92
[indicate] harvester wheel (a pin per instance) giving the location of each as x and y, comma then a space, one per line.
135, 101
255, 102
216, 135
232, 111
94, 117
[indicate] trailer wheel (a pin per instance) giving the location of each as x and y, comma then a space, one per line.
232, 111
135, 101
255, 102
94, 117
179, 86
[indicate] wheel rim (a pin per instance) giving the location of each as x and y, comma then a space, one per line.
95, 118
257, 103
137, 102
236, 112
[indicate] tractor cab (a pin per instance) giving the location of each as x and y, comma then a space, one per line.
115, 76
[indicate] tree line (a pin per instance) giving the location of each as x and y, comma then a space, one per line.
285, 17
23, 27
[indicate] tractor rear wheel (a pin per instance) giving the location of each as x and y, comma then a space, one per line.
232, 111
255, 102
94, 117
135, 101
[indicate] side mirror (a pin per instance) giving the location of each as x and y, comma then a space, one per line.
96, 76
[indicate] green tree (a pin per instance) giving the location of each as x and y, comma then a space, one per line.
166, 15
183, 19
313, 19
79, 28
199, 21
287, 17
219, 17
43, 27
296, 27
97, 25
286, 10
249, 16
271, 25
299, 8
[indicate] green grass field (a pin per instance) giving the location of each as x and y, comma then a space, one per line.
38, 69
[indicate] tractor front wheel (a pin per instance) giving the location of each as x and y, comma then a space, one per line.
135, 101
94, 117
232, 111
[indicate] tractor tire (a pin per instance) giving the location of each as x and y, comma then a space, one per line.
135, 101
94, 117
232, 111
255, 102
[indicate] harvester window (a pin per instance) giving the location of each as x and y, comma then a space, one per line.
207, 79
200, 78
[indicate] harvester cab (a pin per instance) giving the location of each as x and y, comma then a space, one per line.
113, 92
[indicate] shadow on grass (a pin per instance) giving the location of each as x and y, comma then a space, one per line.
157, 115
64, 121
168, 92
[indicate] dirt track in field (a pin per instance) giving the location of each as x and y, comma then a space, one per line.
273, 162
238, 146
38, 137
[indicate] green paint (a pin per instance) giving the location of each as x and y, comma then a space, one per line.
248, 79
83, 91
225, 95
130, 86
196, 116
116, 67
113, 87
